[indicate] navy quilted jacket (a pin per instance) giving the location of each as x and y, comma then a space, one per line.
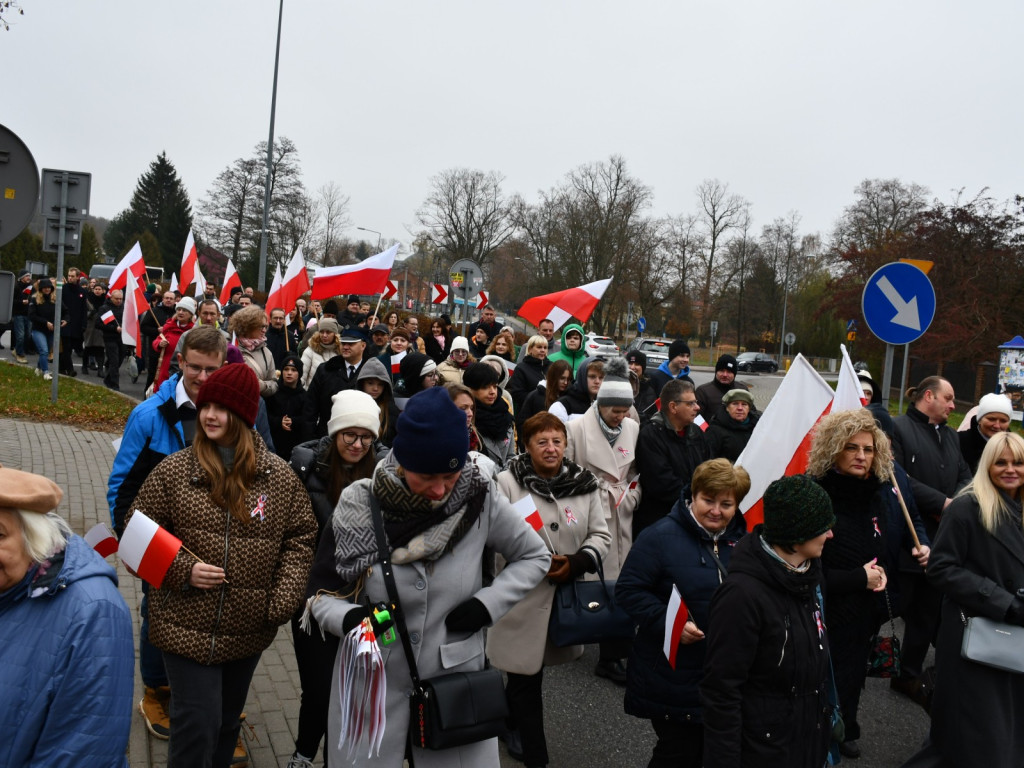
66, 667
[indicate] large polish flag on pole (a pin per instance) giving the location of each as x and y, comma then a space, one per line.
148, 549
133, 262
560, 306
131, 332
295, 281
189, 264
274, 297
231, 280
367, 277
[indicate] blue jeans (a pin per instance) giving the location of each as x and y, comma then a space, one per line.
22, 328
43, 342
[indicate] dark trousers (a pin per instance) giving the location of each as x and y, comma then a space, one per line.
151, 658
921, 606
92, 356
526, 710
680, 744
315, 658
113, 350
849, 646
206, 702
615, 650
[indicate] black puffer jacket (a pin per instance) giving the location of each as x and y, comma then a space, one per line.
728, 437
525, 378
972, 443
290, 402
309, 460
674, 551
764, 689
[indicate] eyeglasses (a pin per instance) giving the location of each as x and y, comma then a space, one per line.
431, 375
350, 438
689, 403
198, 370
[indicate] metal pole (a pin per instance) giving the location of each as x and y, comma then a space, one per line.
262, 281
465, 301
59, 277
887, 374
903, 378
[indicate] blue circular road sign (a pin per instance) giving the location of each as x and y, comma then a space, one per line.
898, 303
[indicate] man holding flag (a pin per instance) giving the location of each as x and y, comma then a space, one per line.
108, 320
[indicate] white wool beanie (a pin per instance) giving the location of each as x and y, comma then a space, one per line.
460, 342
993, 403
188, 303
353, 408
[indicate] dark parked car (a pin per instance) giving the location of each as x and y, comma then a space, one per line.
756, 362
656, 350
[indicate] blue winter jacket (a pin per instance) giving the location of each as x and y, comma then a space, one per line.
66, 666
674, 550
152, 433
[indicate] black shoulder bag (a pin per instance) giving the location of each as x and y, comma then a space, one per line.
585, 612
449, 710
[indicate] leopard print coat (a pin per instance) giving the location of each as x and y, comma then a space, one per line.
267, 559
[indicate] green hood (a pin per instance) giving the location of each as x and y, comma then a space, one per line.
573, 327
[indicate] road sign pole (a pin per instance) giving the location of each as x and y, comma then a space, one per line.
887, 374
903, 378
59, 277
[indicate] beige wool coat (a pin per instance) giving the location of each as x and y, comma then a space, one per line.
615, 467
519, 641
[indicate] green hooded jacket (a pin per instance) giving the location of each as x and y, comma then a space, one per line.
573, 358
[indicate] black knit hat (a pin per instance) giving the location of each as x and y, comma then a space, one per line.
796, 509
293, 360
677, 348
636, 357
726, 363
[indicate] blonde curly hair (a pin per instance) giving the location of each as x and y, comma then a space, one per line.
835, 430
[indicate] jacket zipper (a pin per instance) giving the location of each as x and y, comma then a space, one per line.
220, 600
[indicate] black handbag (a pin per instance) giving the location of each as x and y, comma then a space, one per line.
449, 710
884, 655
586, 612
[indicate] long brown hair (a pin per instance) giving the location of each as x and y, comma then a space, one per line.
228, 489
554, 375
342, 474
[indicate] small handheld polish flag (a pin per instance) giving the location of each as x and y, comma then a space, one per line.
101, 539
675, 619
148, 549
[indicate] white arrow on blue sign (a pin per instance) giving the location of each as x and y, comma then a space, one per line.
898, 303
641, 324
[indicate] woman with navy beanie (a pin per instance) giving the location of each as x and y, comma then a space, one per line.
440, 514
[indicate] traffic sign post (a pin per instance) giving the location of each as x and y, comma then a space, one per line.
465, 276
898, 305
641, 324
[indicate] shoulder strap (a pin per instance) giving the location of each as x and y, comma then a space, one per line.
718, 562
389, 582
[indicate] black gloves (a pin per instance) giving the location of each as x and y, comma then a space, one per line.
354, 617
580, 563
468, 616
1015, 613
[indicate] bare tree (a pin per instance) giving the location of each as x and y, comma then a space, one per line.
718, 212
465, 214
883, 207
333, 218
223, 212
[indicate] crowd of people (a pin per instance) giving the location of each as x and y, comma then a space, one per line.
275, 444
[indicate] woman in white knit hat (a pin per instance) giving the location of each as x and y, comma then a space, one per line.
991, 417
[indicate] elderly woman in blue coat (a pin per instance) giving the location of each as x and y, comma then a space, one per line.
441, 516
66, 655
688, 549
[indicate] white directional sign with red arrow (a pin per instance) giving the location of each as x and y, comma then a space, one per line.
438, 293
390, 289
481, 299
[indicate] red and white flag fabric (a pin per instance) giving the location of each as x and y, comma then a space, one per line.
396, 361
189, 263
231, 280
438, 293
200, 283
274, 297
511, 367
675, 620
108, 317
148, 549
101, 539
132, 261
389, 290
131, 330
295, 281
368, 276
698, 420
174, 284
781, 441
849, 393
527, 509
558, 307
482, 298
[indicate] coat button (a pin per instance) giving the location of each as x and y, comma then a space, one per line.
421, 584
414, 637
554, 526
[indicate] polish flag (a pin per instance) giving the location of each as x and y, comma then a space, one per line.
133, 262
148, 549
189, 263
698, 420
131, 332
174, 283
101, 539
368, 276
108, 317
781, 441
231, 280
396, 361
274, 297
527, 509
510, 366
295, 281
560, 306
438, 293
200, 283
675, 619
849, 393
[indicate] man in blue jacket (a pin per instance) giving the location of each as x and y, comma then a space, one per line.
676, 367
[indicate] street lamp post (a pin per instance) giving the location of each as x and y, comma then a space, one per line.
262, 282
364, 229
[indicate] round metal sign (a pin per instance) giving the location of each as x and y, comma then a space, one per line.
19, 185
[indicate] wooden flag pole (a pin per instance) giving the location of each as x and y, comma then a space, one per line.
903, 506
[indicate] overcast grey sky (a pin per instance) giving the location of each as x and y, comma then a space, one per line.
791, 103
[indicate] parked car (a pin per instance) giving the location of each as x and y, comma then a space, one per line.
599, 346
756, 362
656, 349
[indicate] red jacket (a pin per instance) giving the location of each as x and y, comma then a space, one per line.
172, 332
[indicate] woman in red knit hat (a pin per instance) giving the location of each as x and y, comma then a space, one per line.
248, 531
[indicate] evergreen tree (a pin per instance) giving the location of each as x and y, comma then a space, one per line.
26, 247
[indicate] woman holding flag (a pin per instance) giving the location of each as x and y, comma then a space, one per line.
565, 503
666, 585
247, 532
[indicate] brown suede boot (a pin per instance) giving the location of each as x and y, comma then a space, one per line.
154, 707
240, 759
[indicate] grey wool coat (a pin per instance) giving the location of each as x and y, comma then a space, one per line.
615, 467
519, 641
428, 591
